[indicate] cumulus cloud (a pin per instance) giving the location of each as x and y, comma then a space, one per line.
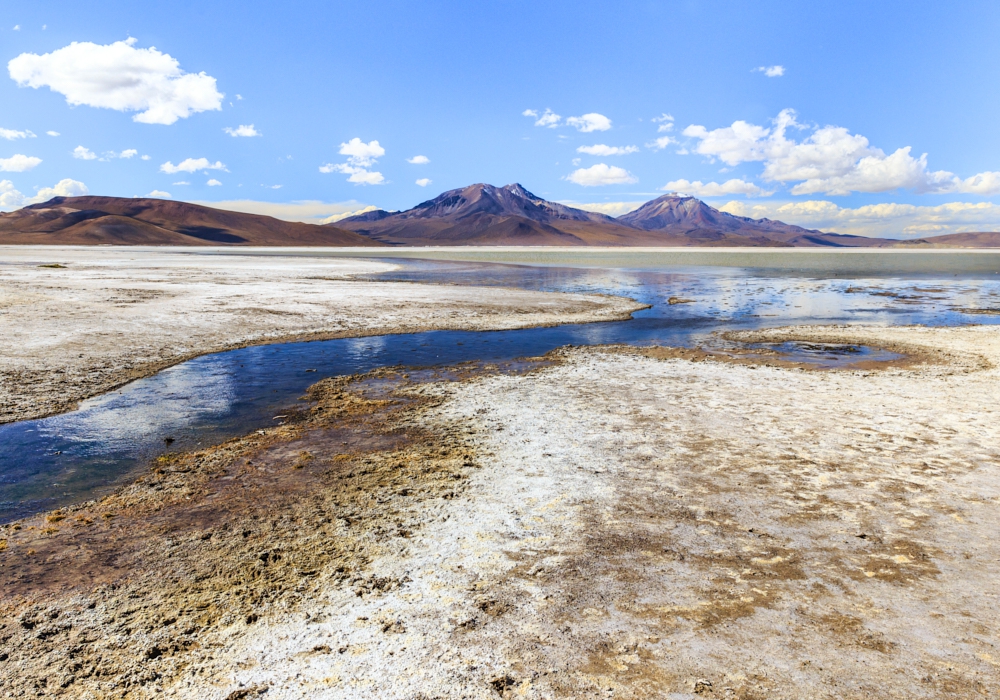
715, 189
590, 122
84, 153
360, 157
13, 134
191, 165
606, 208
423, 182
309, 211
771, 71
418, 160
18, 163
601, 174
548, 118
666, 122
52, 133
830, 160
122, 77
660, 143
158, 194
213, 183
887, 219
241, 130
10, 198
128, 153
601, 150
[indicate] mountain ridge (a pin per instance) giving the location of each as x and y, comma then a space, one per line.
477, 214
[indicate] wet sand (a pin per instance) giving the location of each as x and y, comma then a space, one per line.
107, 316
598, 524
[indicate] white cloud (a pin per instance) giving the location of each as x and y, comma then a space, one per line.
10, 198
18, 163
601, 174
158, 194
887, 219
601, 150
577, 161
84, 153
311, 211
128, 153
145, 157
361, 153
360, 157
52, 133
715, 189
606, 208
660, 143
418, 160
213, 183
121, 77
830, 160
666, 122
548, 118
182, 182
17, 27
12, 134
191, 165
242, 130
423, 182
239, 96
771, 71
590, 122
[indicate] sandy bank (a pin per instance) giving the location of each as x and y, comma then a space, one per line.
111, 315
608, 525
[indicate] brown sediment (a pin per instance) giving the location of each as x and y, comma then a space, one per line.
112, 597
766, 357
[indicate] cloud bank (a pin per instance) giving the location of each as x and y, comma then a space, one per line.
10, 198
830, 160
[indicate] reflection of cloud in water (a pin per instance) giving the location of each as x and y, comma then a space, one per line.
366, 347
149, 408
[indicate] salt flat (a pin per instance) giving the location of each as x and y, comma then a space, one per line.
607, 525
110, 315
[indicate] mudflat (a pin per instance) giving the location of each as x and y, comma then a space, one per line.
80, 321
600, 522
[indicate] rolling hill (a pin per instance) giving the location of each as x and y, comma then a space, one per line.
127, 221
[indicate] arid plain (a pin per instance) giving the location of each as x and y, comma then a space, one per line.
600, 522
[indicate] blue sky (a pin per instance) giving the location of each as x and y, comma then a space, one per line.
793, 110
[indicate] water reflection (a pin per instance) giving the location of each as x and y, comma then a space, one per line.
81, 454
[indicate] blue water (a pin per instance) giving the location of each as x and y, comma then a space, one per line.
53, 461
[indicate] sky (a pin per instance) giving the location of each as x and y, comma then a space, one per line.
857, 117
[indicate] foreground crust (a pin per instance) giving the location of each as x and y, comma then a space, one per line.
608, 524
78, 322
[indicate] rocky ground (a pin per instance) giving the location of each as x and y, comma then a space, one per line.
607, 522
81, 321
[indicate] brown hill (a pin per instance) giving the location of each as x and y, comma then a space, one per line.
123, 221
978, 239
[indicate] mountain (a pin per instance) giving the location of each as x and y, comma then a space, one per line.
511, 215
486, 215
122, 221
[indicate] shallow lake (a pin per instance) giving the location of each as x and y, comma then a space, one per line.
53, 461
